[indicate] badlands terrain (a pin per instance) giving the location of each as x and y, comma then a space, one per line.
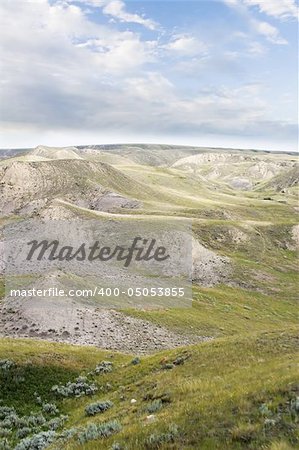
218, 375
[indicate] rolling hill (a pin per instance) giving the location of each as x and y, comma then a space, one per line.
218, 375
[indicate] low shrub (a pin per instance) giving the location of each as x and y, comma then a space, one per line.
10, 420
264, 410
6, 411
117, 446
50, 408
23, 432
154, 406
21, 422
294, 405
38, 441
36, 420
38, 399
4, 445
157, 440
6, 364
98, 431
103, 367
5, 432
179, 361
135, 361
57, 422
97, 408
168, 366
81, 386
65, 435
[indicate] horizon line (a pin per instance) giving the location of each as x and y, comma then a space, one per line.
80, 146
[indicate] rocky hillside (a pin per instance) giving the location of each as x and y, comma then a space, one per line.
155, 377
242, 207
237, 170
28, 186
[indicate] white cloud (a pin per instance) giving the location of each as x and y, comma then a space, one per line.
116, 9
283, 9
186, 45
269, 32
120, 54
220, 108
62, 71
62, 37
280, 9
94, 3
151, 88
256, 48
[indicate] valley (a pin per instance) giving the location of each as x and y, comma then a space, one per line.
220, 374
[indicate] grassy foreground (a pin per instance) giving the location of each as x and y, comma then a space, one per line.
230, 393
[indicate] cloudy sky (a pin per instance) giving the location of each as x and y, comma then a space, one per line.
220, 73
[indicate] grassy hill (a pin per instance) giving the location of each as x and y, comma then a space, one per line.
236, 390
233, 393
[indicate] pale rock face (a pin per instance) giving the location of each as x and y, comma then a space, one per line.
55, 152
208, 267
237, 170
74, 320
29, 186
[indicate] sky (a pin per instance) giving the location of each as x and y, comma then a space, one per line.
220, 73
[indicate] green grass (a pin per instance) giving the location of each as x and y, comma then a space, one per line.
214, 398
223, 311
18, 390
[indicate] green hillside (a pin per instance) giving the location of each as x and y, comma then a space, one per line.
233, 393
236, 385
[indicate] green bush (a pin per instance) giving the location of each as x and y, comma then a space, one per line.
157, 440
117, 446
135, 361
36, 420
98, 431
103, 367
4, 445
5, 432
50, 408
81, 386
23, 432
57, 422
6, 365
154, 406
97, 408
6, 411
38, 441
